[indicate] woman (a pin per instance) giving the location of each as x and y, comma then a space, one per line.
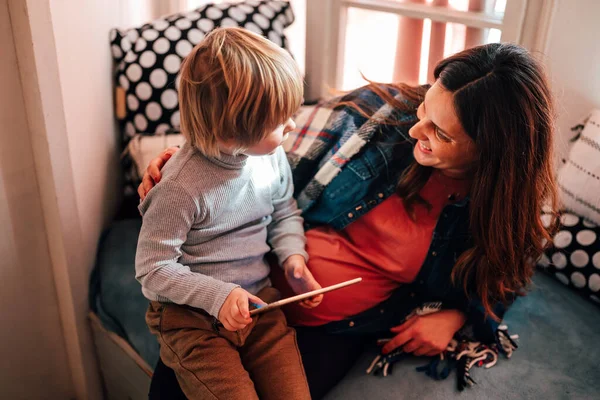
441, 208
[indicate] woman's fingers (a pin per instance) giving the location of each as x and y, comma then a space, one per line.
154, 169
412, 345
397, 341
423, 350
148, 183
141, 191
153, 175
169, 151
407, 324
159, 162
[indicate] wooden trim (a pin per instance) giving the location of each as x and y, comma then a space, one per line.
122, 343
514, 17
536, 27
319, 41
338, 44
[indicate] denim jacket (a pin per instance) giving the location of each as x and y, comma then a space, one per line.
358, 182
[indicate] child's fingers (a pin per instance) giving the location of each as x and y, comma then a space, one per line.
316, 300
312, 302
242, 304
238, 321
232, 325
236, 316
303, 304
298, 271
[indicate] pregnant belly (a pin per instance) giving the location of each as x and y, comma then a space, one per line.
342, 303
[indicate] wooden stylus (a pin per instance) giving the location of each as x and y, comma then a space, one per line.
303, 296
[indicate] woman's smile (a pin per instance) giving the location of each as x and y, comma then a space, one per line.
424, 148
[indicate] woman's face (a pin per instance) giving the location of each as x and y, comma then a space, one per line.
442, 142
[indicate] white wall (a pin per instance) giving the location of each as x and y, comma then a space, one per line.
85, 70
34, 359
81, 35
573, 58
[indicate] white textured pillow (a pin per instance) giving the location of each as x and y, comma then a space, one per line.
579, 177
143, 149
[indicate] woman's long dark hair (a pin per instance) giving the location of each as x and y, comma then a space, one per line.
504, 103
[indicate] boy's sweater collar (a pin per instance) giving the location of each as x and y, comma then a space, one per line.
229, 161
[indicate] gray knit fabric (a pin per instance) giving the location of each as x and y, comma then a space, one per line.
208, 224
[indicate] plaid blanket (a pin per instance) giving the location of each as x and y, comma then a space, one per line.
326, 139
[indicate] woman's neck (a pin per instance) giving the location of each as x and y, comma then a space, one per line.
459, 174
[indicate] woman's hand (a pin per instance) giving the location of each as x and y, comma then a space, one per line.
301, 279
426, 335
152, 175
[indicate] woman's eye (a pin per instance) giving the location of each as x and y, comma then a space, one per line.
440, 135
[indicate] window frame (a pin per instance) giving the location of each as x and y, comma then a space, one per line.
525, 22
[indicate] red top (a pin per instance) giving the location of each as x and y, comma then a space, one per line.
385, 247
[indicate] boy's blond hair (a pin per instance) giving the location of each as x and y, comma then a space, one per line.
235, 88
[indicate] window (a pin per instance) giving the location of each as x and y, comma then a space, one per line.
402, 40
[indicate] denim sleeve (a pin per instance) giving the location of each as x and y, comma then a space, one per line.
485, 327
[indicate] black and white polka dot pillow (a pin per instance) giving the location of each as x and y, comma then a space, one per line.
149, 57
574, 258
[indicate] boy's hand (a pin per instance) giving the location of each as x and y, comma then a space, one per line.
301, 280
152, 175
235, 313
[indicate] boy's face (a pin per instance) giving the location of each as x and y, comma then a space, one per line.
272, 141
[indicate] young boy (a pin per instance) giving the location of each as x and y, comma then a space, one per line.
224, 202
